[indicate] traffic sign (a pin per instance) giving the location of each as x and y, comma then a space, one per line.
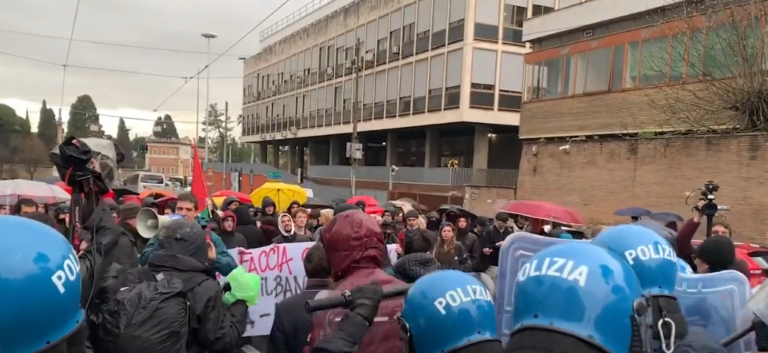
274, 175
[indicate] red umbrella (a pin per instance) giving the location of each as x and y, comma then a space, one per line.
370, 201
543, 210
374, 210
243, 198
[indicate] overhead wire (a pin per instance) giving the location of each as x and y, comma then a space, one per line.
66, 59
222, 54
119, 45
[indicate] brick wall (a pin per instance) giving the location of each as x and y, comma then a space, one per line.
599, 176
486, 201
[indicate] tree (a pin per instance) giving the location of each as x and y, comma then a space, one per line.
213, 125
83, 115
169, 128
139, 157
123, 140
26, 126
715, 58
10, 130
47, 127
35, 154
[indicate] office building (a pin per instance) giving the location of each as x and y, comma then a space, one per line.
439, 86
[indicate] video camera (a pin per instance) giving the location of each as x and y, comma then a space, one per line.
709, 208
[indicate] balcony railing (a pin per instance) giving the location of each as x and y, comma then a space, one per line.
293, 17
439, 176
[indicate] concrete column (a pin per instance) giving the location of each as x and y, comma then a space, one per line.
300, 150
480, 157
275, 155
391, 149
293, 159
466, 76
263, 152
336, 149
432, 149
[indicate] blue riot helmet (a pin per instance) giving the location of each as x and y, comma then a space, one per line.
683, 267
40, 281
576, 290
651, 257
447, 310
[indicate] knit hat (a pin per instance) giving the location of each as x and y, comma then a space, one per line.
128, 211
502, 217
718, 253
344, 207
411, 214
481, 222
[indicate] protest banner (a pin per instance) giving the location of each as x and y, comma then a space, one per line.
281, 268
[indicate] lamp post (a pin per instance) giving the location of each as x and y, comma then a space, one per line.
208, 36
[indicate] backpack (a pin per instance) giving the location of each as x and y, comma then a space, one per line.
149, 317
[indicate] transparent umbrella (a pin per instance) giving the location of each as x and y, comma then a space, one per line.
13, 190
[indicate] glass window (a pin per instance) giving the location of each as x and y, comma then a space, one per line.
409, 21
329, 97
532, 78
581, 72
420, 77
542, 10
338, 97
457, 11
369, 89
654, 63
721, 51
393, 83
440, 15
370, 36
487, 12
695, 55
383, 32
406, 80
360, 36
321, 98
436, 73
380, 87
514, 15
300, 64
618, 67
312, 100
453, 72
633, 58
483, 67
552, 77
677, 57
395, 20
598, 70
511, 77
425, 15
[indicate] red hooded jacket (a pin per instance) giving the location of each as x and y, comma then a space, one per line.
355, 248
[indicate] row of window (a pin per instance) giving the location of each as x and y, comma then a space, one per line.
162, 151
688, 56
413, 29
487, 19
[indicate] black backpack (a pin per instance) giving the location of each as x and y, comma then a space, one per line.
149, 317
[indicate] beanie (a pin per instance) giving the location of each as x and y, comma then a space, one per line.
718, 253
411, 214
502, 217
128, 211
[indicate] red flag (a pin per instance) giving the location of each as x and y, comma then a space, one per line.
199, 187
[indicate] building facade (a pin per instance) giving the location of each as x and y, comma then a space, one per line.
433, 84
171, 157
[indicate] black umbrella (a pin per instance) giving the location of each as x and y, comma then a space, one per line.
634, 212
666, 217
121, 191
315, 203
458, 210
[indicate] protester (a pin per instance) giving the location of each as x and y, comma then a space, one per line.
450, 253
270, 229
291, 319
230, 203
412, 225
288, 232
361, 205
294, 205
127, 213
231, 238
355, 249
491, 245
150, 202
715, 254
41, 217
417, 260
325, 217
23, 206
300, 217
184, 254
4, 209
254, 238
61, 216
268, 208
186, 206
388, 229
468, 240
170, 208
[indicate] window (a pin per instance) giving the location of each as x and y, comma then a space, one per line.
382, 45
511, 77
677, 57
406, 81
457, 12
598, 70
721, 51
618, 67
173, 170
487, 12
370, 36
424, 21
369, 88
633, 58
409, 22
440, 15
381, 85
162, 170
654, 57
542, 10
153, 169
695, 55
552, 77
436, 77
393, 83
420, 83
349, 90
453, 79
360, 38
514, 15
483, 69
395, 35
338, 94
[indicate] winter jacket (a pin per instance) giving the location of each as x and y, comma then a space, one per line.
228, 201
232, 239
214, 326
293, 237
489, 241
471, 245
245, 226
224, 263
411, 267
292, 321
355, 250
458, 260
686, 251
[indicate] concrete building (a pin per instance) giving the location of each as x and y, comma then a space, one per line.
172, 157
440, 86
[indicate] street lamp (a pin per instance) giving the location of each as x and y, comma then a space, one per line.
208, 36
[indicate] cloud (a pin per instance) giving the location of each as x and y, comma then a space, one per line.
170, 24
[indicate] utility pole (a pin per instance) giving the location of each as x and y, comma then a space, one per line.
197, 119
224, 153
356, 67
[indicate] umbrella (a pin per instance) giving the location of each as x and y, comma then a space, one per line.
409, 200
666, 217
281, 193
543, 210
218, 197
369, 200
315, 203
13, 190
457, 210
374, 210
123, 191
156, 193
634, 212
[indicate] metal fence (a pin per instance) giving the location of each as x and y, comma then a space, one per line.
439, 176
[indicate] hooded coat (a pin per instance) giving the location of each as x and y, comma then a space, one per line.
245, 226
355, 248
228, 201
289, 237
232, 239
214, 326
266, 202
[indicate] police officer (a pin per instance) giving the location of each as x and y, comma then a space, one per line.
46, 286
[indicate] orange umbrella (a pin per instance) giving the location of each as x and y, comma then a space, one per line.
156, 193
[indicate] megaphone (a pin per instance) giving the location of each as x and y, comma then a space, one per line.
149, 223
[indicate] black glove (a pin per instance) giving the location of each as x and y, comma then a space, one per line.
365, 302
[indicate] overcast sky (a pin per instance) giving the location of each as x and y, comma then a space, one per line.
170, 24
